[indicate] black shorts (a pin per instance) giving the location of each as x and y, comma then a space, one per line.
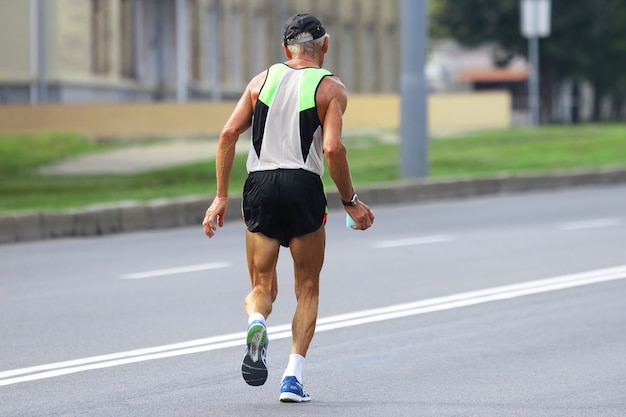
284, 203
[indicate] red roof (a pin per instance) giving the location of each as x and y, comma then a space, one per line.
493, 75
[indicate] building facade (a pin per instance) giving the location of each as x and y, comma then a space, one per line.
92, 51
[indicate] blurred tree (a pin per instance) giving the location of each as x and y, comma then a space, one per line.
587, 40
605, 63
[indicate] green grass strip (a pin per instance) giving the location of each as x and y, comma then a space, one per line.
514, 151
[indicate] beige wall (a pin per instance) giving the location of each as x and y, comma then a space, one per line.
15, 40
447, 113
67, 46
118, 120
373, 110
469, 111
72, 37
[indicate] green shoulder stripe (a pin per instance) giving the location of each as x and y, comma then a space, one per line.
310, 80
268, 91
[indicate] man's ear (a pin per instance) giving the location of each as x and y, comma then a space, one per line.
325, 45
287, 51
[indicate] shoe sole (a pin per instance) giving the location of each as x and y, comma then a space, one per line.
288, 397
253, 369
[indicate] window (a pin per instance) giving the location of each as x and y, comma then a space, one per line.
213, 52
234, 59
195, 38
127, 39
258, 43
100, 36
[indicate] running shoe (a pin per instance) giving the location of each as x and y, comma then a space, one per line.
291, 391
254, 366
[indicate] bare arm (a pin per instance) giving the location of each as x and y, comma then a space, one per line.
334, 150
332, 103
238, 122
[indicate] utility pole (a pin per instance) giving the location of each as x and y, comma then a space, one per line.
182, 57
413, 90
535, 22
42, 51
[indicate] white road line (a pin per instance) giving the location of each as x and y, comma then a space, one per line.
172, 271
465, 299
419, 240
591, 224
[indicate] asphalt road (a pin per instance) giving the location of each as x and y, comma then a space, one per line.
504, 306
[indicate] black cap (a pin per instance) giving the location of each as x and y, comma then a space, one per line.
300, 23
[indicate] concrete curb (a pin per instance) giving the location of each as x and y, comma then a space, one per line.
188, 211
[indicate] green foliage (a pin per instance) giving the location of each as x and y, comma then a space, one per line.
587, 39
473, 22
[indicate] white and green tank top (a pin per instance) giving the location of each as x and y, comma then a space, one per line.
286, 130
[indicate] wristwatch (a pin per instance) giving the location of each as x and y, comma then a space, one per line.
352, 202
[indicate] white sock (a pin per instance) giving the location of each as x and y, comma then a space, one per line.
294, 367
256, 316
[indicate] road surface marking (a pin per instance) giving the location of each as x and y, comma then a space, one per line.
419, 240
591, 224
172, 271
449, 302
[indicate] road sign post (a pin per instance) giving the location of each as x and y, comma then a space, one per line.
535, 24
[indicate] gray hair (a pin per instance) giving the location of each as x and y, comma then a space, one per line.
307, 48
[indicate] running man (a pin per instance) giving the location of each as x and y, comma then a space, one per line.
295, 110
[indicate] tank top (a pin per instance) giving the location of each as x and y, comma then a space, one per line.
286, 129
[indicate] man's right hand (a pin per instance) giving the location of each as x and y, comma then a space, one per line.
215, 212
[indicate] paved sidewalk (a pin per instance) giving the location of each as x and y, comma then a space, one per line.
140, 158
150, 156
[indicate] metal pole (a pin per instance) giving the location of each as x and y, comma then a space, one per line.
182, 62
413, 89
138, 29
214, 75
534, 80
281, 15
34, 50
533, 53
159, 22
42, 60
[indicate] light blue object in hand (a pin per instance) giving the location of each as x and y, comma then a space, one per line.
349, 221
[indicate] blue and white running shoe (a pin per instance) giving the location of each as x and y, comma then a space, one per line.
291, 391
254, 366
